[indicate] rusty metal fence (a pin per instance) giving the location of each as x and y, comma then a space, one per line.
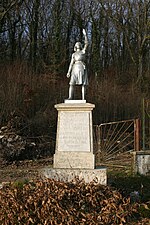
115, 141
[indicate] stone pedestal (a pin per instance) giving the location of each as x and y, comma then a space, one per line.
74, 142
142, 162
74, 145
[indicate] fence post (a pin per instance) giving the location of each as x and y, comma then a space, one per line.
137, 135
143, 123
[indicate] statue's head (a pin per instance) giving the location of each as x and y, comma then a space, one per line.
77, 46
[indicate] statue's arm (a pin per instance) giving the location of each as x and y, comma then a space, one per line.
70, 66
85, 40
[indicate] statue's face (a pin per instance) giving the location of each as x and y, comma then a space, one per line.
78, 45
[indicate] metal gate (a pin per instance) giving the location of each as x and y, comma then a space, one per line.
114, 142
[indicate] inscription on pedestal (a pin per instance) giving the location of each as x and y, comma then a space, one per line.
74, 160
74, 131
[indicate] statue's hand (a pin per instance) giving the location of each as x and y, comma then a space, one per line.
84, 32
68, 75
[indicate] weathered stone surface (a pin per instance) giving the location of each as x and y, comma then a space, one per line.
74, 132
75, 107
74, 142
74, 156
143, 162
74, 160
74, 127
69, 175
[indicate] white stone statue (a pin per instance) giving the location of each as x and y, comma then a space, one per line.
77, 68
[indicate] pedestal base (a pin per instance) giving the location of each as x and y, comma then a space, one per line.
75, 160
69, 175
74, 156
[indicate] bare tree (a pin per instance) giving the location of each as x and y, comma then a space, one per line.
132, 19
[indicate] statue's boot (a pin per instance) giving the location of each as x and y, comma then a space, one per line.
83, 92
71, 89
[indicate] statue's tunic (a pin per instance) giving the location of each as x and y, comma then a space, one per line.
79, 71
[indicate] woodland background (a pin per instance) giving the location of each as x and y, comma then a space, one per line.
36, 42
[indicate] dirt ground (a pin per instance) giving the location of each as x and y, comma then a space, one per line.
22, 170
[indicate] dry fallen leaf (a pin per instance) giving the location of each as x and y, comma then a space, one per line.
53, 202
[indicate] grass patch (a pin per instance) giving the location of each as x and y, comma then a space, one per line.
127, 183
